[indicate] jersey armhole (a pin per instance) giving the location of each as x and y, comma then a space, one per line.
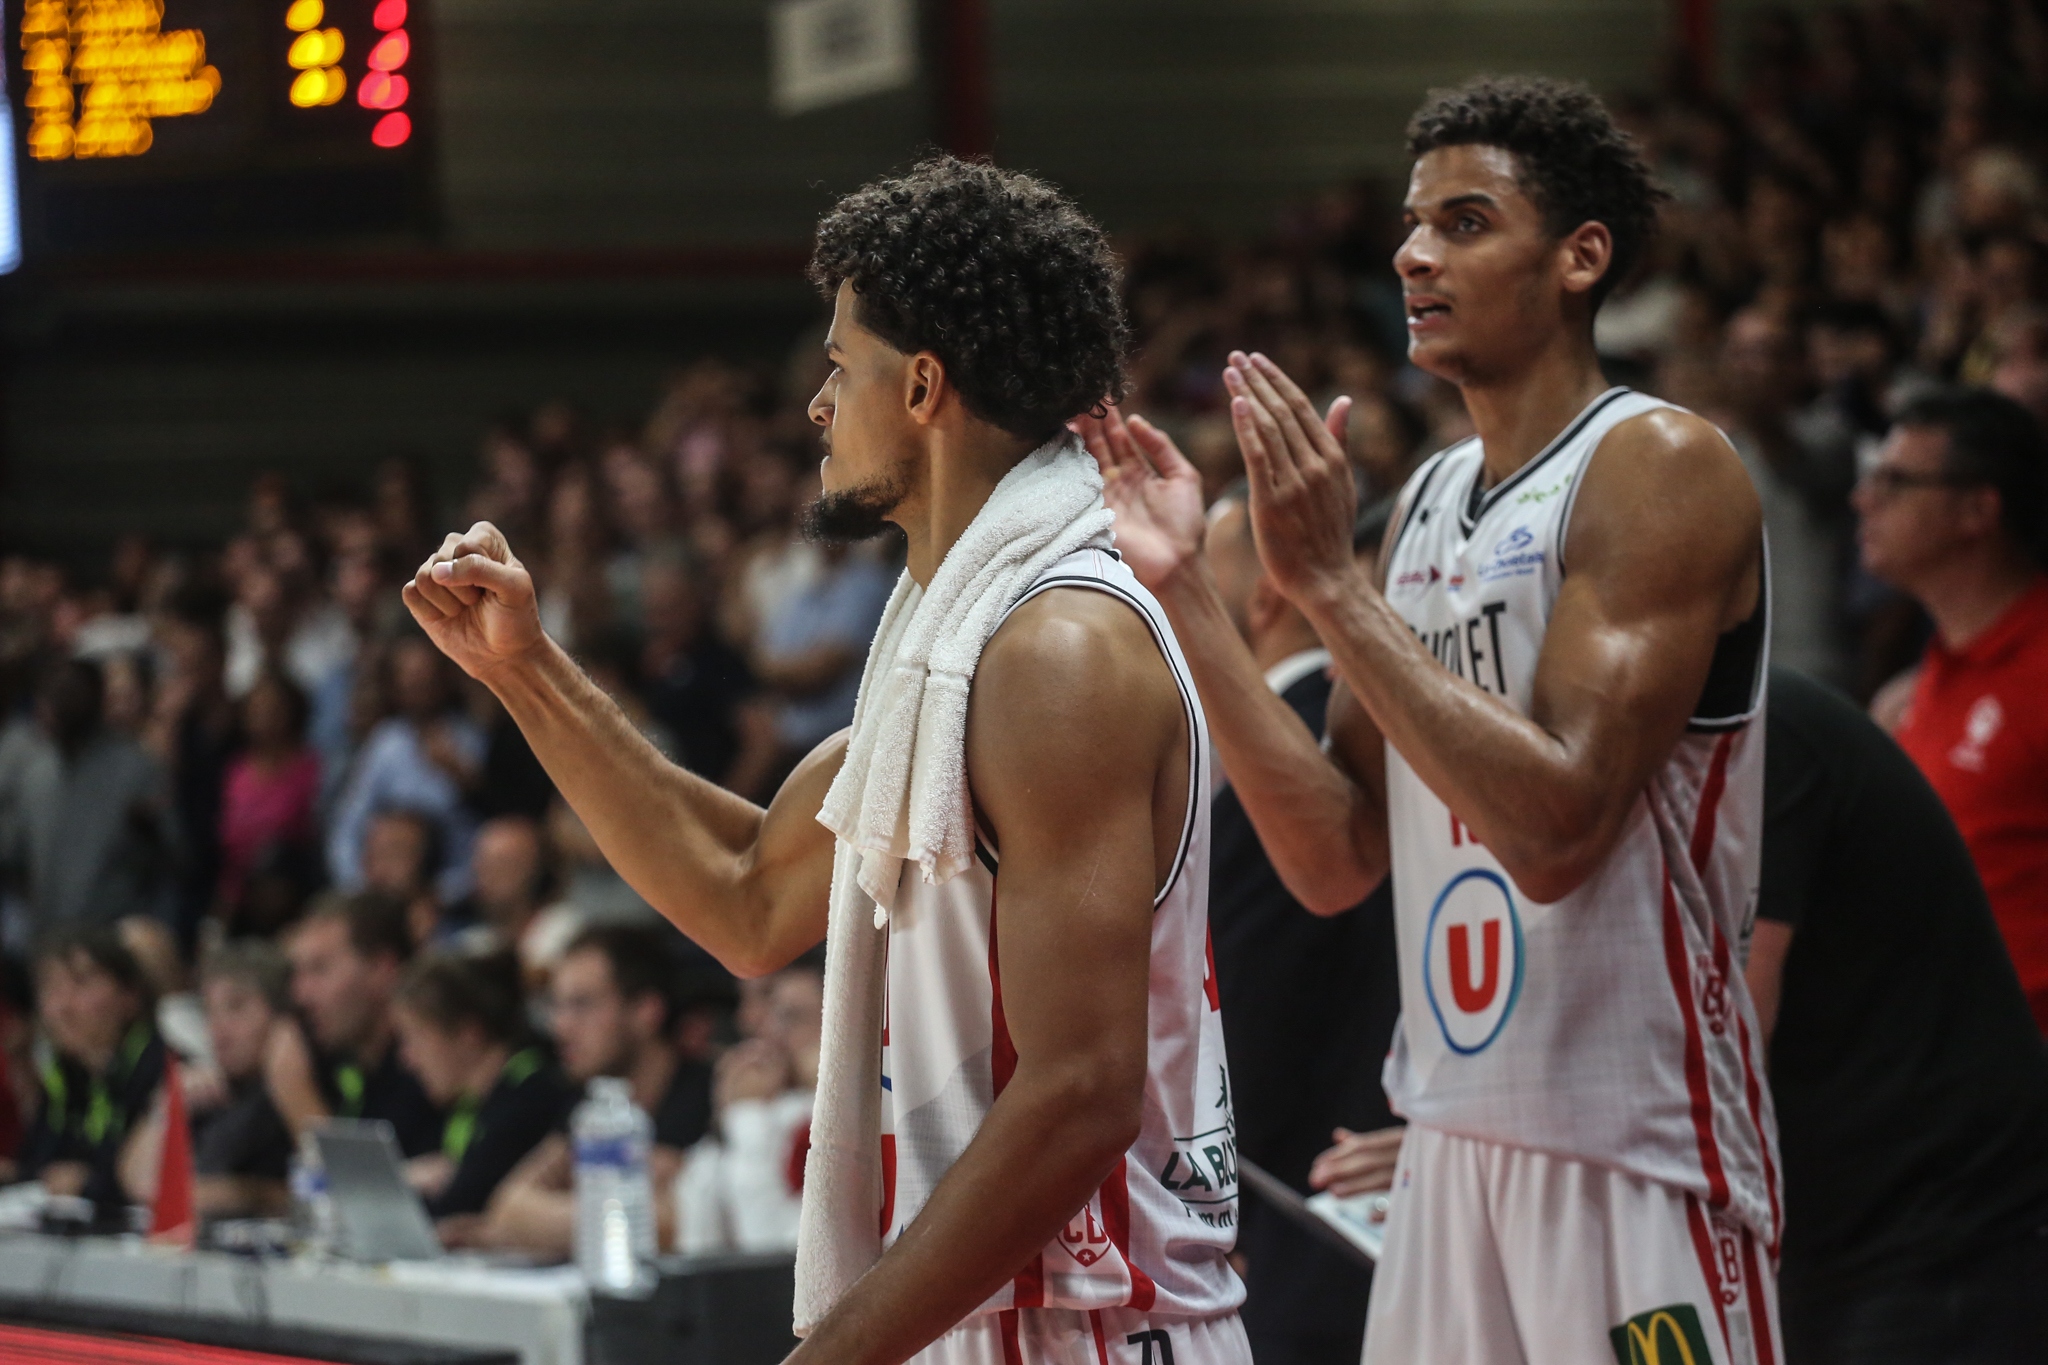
1196, 750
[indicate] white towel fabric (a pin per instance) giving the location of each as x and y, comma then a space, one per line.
901, 797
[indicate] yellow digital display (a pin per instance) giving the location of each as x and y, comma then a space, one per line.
100, 70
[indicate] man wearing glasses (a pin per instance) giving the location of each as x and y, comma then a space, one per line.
1954, 512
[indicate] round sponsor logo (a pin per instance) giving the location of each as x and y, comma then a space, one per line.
1472, 959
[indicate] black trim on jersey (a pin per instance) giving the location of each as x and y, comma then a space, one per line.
987, 856
1195, 775
1423, 477
1480, 500
1734, 688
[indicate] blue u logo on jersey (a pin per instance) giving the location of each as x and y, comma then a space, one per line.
1472, 959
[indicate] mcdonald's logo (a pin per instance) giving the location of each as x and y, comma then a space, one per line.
1662, 1336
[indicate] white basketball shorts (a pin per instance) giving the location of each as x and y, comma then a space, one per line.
1102, 1336
1501, 1256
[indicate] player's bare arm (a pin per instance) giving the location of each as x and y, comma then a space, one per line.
1071, 697
749, 885
1321, 815
1663, 555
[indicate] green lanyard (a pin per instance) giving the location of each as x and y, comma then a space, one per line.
461, 1129
102, 1115
348, 1079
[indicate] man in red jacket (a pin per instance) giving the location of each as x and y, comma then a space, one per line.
1955, 513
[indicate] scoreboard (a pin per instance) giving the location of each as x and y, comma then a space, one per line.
152, 125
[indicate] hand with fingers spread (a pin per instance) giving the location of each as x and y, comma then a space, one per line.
1155, 493
1303, 500
1359, 1163
476, 601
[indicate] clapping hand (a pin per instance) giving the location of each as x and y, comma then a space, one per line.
1155, 493
1303, 499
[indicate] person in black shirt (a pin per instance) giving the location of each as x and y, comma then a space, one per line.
461, 1024
1308, 1003
1910, 1082
347, 956
241, 1148
692, 682
106, 1067
617, 999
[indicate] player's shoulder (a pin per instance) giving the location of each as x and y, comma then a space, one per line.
1076, 636
1668, 443
1667, 470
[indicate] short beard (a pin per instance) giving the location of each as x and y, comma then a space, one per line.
852, 514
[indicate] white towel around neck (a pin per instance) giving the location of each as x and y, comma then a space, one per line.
900, 798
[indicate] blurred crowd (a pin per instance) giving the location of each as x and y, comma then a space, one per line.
245, 807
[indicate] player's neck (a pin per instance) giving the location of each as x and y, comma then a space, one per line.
1517, 415
1969, 593
964, 461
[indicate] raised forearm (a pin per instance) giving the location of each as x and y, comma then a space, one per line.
1048, 1143
680, 841
1515, 785
1324, 833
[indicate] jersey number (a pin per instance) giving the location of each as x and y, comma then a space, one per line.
1145, 1340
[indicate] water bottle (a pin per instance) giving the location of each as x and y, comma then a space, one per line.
614, 1196
312, 1205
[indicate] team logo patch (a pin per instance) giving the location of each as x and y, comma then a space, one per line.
1472, 959
1662, 1336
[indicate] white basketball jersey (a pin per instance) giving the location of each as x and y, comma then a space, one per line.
1154, 1237
1613, 1025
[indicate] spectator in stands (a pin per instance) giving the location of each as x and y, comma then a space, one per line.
812, 645
462, 1029
1308, 1003
192, 731
615, 999
1910, 1082
691, 681
511, 870
85, 815
1955, 513
741, 1188
241, 1148
272, 787
401, 850
347, 956
424, 758
106, 1064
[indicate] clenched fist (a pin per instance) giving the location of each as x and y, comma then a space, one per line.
475, 600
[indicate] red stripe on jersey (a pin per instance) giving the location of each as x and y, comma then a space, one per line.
1028, 1289
1753, 1092
1101, 1346
1759, 1307
1695, 1050
1013, 1354
888, 1182
1116, 1218
1710, 1267
1002, 1053
1209, 970
1724, 964
1710, 804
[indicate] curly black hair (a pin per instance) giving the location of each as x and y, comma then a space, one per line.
1573, 161
995, 272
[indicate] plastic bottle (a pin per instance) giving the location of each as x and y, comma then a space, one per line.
614, 1195
312, 1205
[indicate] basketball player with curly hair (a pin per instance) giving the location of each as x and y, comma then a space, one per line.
1548, 728
1054, 1170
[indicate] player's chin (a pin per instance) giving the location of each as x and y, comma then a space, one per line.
1437, 354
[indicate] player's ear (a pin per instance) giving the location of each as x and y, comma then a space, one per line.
1586, 254
924, 387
